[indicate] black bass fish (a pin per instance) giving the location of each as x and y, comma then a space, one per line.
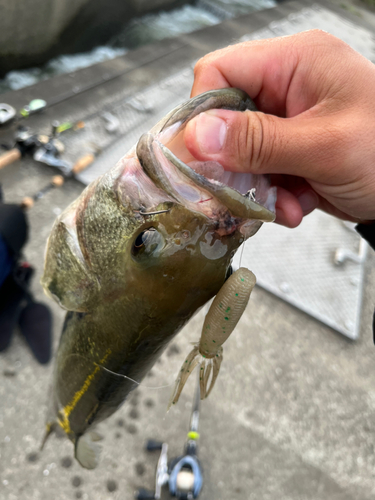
135, 256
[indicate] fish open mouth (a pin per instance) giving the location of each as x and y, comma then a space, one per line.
204, 186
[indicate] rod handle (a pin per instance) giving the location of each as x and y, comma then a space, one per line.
27, 203
9, 157
57, 180
153, 445
143, 494
83, 163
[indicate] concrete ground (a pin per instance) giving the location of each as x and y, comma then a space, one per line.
291, 416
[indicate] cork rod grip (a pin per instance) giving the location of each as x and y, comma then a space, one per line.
83, 163
9, 157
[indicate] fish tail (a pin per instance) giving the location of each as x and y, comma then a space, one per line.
87, 450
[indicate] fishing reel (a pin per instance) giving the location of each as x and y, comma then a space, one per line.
183, 476
43, 148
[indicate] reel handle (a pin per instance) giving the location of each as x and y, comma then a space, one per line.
143, 494
153, 445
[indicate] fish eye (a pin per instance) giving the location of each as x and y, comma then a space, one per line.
147, 242
142, 238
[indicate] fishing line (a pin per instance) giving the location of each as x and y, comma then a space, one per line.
120, 374
132, 380
243, 246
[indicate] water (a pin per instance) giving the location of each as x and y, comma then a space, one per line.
15, 80
138, 32
153, 27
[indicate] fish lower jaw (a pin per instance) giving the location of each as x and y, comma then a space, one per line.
204, 186
208, 186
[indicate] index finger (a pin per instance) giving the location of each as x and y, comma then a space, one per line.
268, 70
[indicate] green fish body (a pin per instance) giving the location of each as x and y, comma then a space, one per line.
134, 257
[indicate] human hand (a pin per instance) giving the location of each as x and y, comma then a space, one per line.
315, 131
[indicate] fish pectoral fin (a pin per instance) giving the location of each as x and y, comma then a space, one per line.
88, 450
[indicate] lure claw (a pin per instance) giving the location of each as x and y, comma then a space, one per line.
221, 319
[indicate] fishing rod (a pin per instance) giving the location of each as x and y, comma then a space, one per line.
29, 201
67, 169
44, 148
183, 475
58, 181
47, 149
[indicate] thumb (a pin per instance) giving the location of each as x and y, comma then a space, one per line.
260, 143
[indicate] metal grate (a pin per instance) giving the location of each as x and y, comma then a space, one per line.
317, 267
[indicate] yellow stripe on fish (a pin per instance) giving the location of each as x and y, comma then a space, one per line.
63, 417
